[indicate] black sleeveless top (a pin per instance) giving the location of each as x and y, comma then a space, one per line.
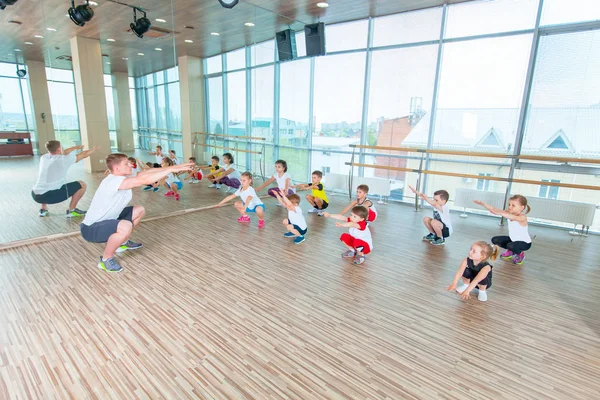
478, 267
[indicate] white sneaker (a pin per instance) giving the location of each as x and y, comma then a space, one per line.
482, 296
314, 210
213, 186
218, 186
193, 181
279, 204
461, 288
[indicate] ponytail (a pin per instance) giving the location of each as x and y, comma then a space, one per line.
527, 208
495, 252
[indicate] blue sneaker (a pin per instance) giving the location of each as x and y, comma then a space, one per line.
299, 240
147, 188
129, 245
155, 189
110, 265
289, 234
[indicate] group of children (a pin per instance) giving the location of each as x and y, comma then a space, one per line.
475, 270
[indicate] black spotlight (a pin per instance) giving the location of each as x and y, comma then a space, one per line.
140, 26
4, 3
80, 14
229, 3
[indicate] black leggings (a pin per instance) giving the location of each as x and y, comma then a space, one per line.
506, 243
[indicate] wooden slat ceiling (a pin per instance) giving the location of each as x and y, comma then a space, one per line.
205, 16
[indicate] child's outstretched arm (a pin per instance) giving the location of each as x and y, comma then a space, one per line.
502, 213
226, 199
424, 197
348, 207
285, 202
335, 216
265, 184
466, 295
458, 275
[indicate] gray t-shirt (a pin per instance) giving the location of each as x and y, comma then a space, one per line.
53, 171
108, 201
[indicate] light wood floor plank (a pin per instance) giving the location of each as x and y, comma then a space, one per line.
213, 309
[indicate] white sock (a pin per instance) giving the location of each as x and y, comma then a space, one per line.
482, 296
461, 288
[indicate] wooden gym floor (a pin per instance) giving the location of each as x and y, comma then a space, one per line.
212, 309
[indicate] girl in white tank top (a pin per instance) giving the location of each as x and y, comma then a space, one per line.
518, 240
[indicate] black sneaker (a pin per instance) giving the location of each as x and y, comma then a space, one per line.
429, 237
44, 213
438, 241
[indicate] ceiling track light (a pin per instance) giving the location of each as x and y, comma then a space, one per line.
229, 3
81, 14
5, 3
141, 25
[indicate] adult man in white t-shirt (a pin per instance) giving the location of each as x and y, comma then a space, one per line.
109, 220
50, 187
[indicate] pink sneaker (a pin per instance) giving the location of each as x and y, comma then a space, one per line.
261, 223
507, 255
177, 197
169, 193
244, 219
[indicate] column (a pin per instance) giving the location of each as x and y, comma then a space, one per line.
91, 100
40, 100
120, 81
191, 87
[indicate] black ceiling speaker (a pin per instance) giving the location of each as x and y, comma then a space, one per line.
314, 35
21, 73
5, 3
229, 3
286, 44
141, 25
81, 14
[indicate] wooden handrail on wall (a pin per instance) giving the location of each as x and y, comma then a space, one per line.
230, 136
238, 150
158, 138
158, 129
487, 178
482, 154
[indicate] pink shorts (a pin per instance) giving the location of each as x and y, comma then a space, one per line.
355, 243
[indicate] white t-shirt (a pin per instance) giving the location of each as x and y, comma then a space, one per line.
443, 216
235, 174
297, 218
108, 201
518, 232
171, 179
244, 194
281, 182
159, 158
363, 233
53, 171
175, 160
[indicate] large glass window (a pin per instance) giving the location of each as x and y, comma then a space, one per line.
110, 111
338, 100
236, 105
410, 27
262, 53
161, 114
348, 36
236, 59
174, 112
480, 92
262, 103
294, 103
215, 105
214, 64
482, 17
12, 114
565, 11
564, 108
